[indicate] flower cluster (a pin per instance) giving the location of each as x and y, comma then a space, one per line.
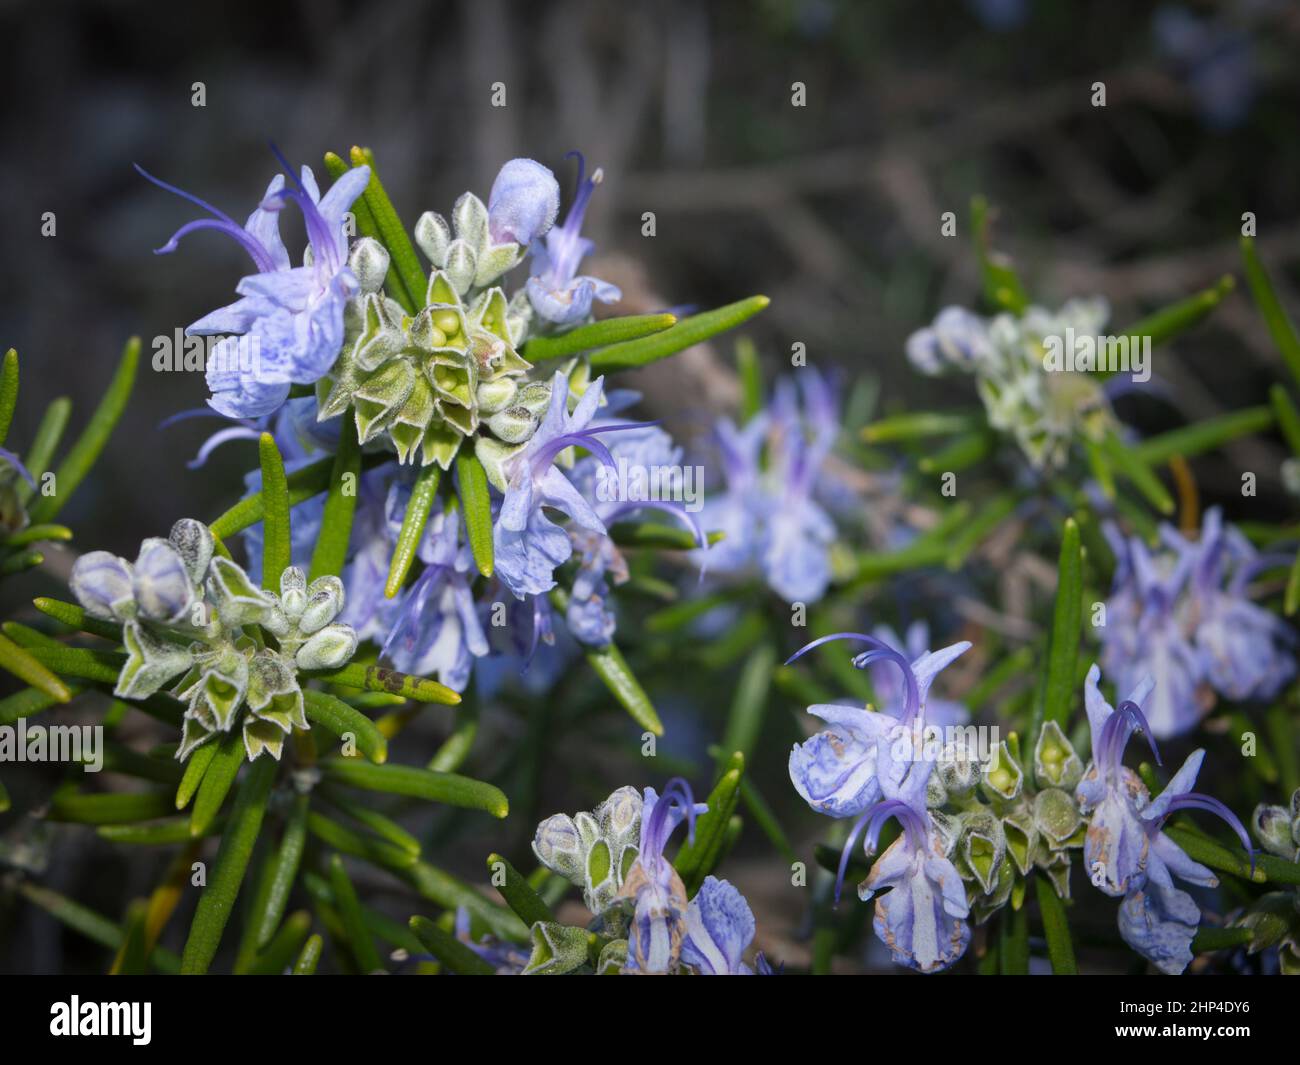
974, 824
188, 612
769, 511
643, 920
1182, 614
1047, 411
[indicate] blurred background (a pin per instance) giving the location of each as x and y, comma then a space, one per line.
833, 209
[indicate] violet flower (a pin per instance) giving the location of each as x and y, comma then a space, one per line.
868, 755
719, 928
287, 327
523, 203
658, 925
922, 917
556, 290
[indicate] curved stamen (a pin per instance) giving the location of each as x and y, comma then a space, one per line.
17, 464
882, 652
1115, 733
854, 832
583, 438
323, 242
1193, 800
220, 221
676, 797
874, 819
221, 436
677, 510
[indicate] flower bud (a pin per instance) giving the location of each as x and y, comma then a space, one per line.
1272, 827
513, 425
557, 949
293, 591
523, 203
369, 261
329, 648
493, 396
103, 586
194, 541
1056, 815
433, 235
162, 581
324, 601
559, 848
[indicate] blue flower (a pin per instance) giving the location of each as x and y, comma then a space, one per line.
555, 289
1125, 852
867, 755
771, 519
958, 338
719, 928
523, 203
922, 917
287, 327
887, 682
1115, 849
1146, 635
437, 629
1183, 616
528, 545
658, 923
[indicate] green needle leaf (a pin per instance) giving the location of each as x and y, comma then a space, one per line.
283, 947
471, 482
76, 465
277, 551
917, 425
596, 335
361, 844
1056, 927
44, 443
8, 392
449, 950
749, 705
349, 907
310, 957
686, 333
450, 788
1288, 418
751, 378
217, 781
695, 860
404, 265
517, 892
339, 719
24, 665
1002, 285
379, 679
218, 898
1177, 318
283, 873
1134, 465
1067, 631
109, 808
303, 484
1014, 944
340, 505
418, 507
1204, 436
1270, 307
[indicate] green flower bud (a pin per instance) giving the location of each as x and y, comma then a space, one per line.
1056, 765
1003, 777
324, 601
1271, 825
613, 956
560, 848
328, 649
433, 236
514, 425
193, 540
462, 264
493, 396
293, 592
557, 949
369, 262
1056, 815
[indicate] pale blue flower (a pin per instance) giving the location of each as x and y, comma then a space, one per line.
868, 755
523, 203
528, 545
287, 327
719, 928
556, 290
922, 916
658, 923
